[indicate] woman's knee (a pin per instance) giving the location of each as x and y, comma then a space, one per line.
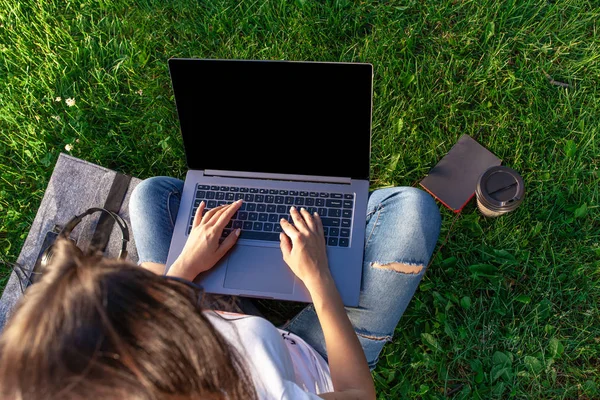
149, 189
411, 209
423, 202
423, 209
408, 198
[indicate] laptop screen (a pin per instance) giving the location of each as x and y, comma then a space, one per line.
305, 118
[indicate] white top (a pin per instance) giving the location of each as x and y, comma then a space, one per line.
282, 365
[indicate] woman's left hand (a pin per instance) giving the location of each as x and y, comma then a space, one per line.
202, 249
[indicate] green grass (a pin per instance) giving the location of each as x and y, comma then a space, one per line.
509, 307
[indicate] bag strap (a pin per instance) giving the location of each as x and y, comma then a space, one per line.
113, 203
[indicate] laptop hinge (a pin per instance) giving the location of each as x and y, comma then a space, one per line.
279, 177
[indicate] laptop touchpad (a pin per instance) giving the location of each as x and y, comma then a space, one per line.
259, 269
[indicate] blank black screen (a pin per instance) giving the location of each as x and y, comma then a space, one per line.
306, 118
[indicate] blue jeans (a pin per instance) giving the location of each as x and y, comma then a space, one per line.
403, 224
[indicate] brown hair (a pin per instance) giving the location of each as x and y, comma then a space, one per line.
99, 328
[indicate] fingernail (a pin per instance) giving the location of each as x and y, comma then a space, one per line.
292, 208
282, 220
237, 232
303, 209
315, 214
239, 201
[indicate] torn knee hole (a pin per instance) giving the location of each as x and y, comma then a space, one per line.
376, 338
399, 267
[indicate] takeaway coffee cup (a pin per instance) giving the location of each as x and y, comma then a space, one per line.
499, 190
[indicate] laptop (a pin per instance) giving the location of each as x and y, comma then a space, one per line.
275, 134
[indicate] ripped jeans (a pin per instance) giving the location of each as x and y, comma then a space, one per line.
403, 224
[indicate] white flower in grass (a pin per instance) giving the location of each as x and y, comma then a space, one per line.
140, 92
68, 147
58, 99
70, 102
56, 117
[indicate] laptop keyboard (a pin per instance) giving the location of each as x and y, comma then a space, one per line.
262, 209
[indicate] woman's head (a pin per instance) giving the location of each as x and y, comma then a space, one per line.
99, 328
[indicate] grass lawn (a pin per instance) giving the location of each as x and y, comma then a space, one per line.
509, 307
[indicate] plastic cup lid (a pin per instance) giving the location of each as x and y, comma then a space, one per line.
501, 187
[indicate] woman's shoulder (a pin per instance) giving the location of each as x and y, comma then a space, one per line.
249, 330
300, 367
237, 318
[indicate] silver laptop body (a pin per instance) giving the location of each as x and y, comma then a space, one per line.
228, 107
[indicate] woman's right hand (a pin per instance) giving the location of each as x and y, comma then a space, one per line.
303, 248
203, 248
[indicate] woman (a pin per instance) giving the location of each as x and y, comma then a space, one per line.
97, 328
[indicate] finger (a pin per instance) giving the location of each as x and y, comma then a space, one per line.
214, 219
289, 229
308, 220
210, 213
298, 219
198, 216
318, 224
225, 215
285, 244
228, 242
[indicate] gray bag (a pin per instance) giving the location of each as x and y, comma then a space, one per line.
74, 187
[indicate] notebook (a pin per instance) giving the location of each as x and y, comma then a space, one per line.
275, 134
454, 178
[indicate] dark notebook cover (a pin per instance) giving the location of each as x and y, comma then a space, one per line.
453, 180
